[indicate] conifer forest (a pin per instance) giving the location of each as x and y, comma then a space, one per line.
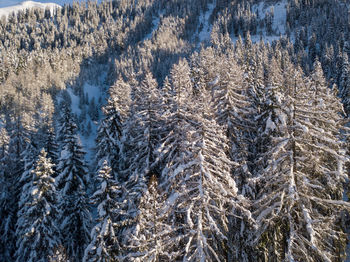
175, 130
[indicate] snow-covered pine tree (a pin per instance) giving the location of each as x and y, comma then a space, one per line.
4, 187
110, 130
51, 146
151, 239
46, 136
104, 245
19, 135
299, 203
266, 119
344, 85
234, 113
37, 233
29, 155
175, 116
205, 192
142, 126
140, 138
174, 149
196, 176
71, 182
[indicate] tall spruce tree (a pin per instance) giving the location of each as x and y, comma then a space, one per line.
104, 245
110, 130
37, 233
300, 198
152, 237
4, 187
139, 142
197, 176
344, 85
71, 181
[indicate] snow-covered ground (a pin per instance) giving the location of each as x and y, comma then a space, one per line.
279, 20
155, 23
5, 11
280, 14
204, 34
10, 6
7, 3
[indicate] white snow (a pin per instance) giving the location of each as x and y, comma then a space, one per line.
215, 81
10, 3
280, 16
204, 34
259, 9
75, 102
155, 23
278, 24
35, 191
5, 11
270, 125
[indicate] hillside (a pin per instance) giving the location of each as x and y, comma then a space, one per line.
202, 130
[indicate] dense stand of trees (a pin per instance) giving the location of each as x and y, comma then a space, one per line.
214, 151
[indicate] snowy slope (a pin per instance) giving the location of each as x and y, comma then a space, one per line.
280, 14
279, 21
5, 11
7, 3
204, 34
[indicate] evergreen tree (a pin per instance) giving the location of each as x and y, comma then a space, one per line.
14, 169
299, 203
4, 187
71, 181
195, 167
152, 237
104, 244
344, 86
38, 235
140, 138
110, 130
206, 194
234, 112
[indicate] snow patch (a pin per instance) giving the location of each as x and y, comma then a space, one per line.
204, 34
75, 102
259, 10
5, 11
155, 23
278, 23
280, 16
9, 3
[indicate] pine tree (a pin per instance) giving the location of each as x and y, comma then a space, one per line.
152, 237
299, 203
234, 112
71, 181
50, 144
110, 130
104, 245
141, 128
196, 176
344, 86
140, 138
205, 192
38, 235
4, 142
14, 168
